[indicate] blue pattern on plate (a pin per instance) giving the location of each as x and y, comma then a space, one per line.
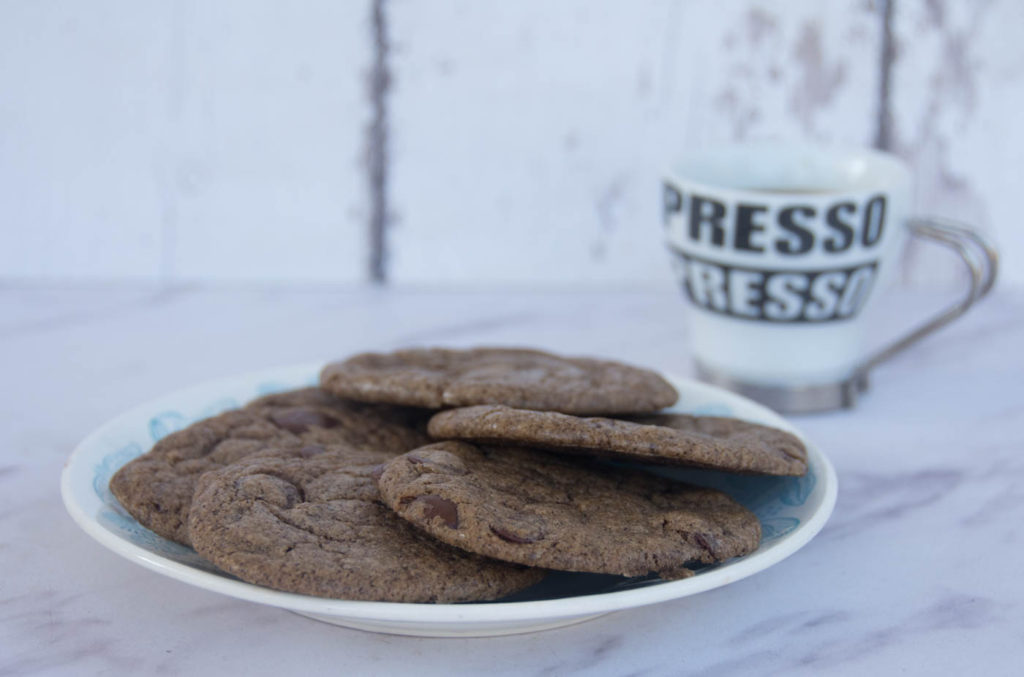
711, 410
776, 527
218, 407
126, 527
165, 423
772, 499
797, 491
106, 468
114, 517
271, 387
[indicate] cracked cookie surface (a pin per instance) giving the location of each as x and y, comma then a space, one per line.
529, 379
539, 509
156, 488
310, 521
712, 442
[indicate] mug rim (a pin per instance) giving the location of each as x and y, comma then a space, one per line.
876, 170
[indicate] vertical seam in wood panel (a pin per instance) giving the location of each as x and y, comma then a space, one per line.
377, 144
887, 55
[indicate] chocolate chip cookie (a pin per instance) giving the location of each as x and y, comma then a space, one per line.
549, 511
529, 379
310, 521
678, 439
156, 488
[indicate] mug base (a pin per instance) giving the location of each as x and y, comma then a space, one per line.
791, 399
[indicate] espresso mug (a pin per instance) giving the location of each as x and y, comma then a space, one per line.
782, 250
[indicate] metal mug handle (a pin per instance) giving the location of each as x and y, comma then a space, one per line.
982, 261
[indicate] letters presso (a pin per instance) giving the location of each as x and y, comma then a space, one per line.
794, 232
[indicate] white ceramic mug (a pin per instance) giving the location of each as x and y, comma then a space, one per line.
782, 249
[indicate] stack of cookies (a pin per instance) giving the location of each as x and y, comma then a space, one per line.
434, 475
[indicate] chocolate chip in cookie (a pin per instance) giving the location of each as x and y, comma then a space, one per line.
156, 488
315, 525
535, 508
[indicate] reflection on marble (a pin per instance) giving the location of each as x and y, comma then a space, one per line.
917, 573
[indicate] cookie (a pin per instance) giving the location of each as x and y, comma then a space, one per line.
528, 379
544, 510
677, 439
156, 488
310, 521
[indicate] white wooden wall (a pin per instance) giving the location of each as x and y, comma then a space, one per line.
183, 140
461, 143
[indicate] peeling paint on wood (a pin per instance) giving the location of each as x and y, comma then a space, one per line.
958, 87
802, 71
529, 138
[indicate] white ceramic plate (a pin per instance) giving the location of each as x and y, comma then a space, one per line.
791, 510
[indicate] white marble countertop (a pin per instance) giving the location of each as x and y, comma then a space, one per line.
918, 572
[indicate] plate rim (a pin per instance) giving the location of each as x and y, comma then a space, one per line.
431, 614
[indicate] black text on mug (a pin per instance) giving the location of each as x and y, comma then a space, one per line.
820, 239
